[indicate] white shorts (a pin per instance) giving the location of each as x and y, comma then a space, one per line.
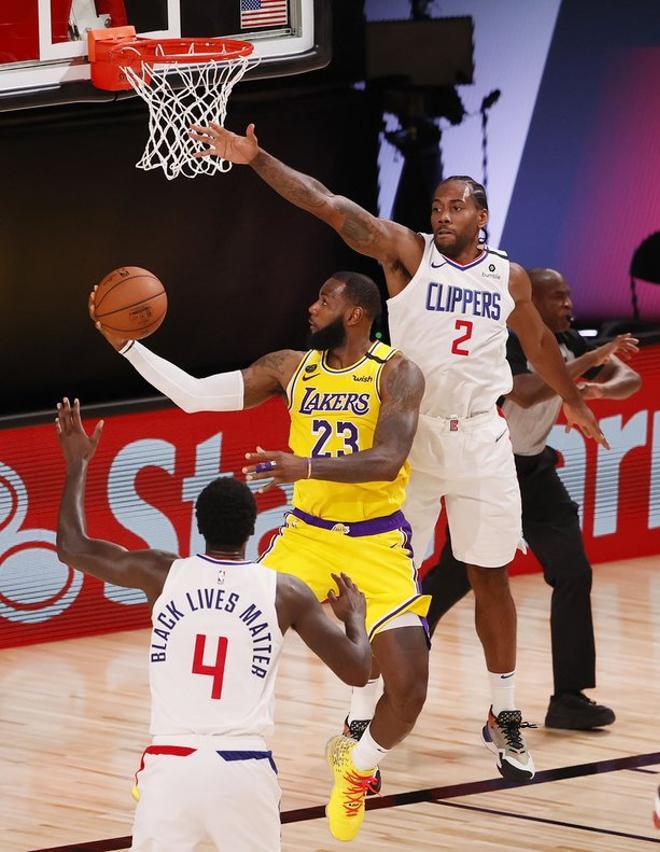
228, 798
470, 463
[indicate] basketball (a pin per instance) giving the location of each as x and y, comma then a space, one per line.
130, 301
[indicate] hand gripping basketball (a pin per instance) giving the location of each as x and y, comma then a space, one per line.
128, 304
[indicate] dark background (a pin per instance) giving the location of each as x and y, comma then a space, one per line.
240, 265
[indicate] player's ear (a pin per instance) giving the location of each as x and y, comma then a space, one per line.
482, 218
355, 316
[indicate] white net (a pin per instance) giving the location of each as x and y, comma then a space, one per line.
199, 96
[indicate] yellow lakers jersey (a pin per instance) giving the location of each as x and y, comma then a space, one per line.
333, 413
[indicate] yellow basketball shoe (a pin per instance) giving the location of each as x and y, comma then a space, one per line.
345, 810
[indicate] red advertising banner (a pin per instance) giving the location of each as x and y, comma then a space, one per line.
142, 484
151, 466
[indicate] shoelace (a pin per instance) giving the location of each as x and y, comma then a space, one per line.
355, 794
510, 722
357, 727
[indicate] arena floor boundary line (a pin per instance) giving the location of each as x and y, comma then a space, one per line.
439, 795
547, 821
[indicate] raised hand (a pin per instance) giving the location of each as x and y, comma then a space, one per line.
580, 416
350, 602
623, 345
76, 444
225, 144
114, 339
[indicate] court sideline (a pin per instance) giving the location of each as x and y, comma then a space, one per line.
74, 720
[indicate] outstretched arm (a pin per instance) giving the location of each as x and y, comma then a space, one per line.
397, 248
267, 377
615, 381
144, 570
347, 654
542, 350
402, 388
530, 388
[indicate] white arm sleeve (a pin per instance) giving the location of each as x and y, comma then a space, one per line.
222, 392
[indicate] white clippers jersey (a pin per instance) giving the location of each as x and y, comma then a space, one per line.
215, 647
451, 321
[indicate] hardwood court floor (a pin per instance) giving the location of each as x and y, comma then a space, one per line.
74, 715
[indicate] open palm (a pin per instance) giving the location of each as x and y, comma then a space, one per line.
225, 144
76, 444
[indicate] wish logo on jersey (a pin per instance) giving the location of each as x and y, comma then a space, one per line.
314, 401
462, 300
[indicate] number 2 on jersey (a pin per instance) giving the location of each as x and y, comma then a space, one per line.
455, 347
217, 672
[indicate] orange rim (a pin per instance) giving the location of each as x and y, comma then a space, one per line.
189, 51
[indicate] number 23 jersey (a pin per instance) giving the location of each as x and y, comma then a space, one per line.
334, 413
451, 320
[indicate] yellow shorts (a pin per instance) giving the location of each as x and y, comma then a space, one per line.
380, 565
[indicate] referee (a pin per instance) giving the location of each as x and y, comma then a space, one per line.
550, 518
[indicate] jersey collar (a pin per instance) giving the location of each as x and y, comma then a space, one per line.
461, 266
207, 558
332, 371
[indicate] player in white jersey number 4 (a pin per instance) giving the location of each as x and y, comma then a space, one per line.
218, 625
451, 299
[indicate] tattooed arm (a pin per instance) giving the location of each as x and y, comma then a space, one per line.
269, 376
397, 248
402, 388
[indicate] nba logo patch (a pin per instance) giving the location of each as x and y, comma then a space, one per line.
221, 576
453, 425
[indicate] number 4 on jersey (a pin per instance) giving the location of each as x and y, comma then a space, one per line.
217, 672
456, 345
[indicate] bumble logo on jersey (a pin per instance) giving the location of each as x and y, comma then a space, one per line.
334, 413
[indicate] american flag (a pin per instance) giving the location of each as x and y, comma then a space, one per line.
263, 13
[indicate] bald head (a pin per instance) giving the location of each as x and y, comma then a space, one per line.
552, 297
542, 277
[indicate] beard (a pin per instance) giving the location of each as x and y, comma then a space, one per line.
330, 337
456, 248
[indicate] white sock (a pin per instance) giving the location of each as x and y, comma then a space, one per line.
364, 700
367, 754
502, 691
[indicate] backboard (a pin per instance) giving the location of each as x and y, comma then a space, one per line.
43, 43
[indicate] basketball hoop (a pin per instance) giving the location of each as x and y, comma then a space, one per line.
183, 81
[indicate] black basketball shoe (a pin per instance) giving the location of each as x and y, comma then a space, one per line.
573, 711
